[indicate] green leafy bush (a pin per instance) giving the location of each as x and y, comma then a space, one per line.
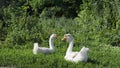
99, 20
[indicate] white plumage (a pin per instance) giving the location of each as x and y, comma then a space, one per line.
45, 50
82, 55
74, 56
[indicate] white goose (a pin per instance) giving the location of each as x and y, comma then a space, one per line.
74, 56
45, 50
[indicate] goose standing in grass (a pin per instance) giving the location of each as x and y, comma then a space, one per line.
45, 50
74, 56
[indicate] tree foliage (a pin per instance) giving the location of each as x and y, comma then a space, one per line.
100, 20
21, 21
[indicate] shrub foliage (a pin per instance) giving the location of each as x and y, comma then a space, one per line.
23, 21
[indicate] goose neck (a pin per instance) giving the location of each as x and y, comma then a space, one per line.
51, 41
70, 46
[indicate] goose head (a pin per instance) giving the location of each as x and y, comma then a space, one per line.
68, 37
53, 36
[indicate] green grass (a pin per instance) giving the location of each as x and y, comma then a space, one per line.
99, 56
96, 27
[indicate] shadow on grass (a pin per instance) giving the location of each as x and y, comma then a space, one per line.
93, 61
117, 43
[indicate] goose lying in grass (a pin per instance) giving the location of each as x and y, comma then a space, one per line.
74, 56
69, 53
82, 55
45, 50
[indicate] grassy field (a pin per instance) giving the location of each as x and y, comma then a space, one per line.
101, 56
93, 23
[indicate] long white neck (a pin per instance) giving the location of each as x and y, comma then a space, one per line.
51, 43
70, 46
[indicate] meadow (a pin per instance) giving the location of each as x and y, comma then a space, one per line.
93, 24
100, 55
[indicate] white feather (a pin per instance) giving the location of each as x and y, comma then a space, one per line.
45, 50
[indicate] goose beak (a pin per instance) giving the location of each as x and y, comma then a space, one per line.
65, 38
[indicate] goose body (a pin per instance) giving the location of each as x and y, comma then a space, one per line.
82, 55
45, 50
74, 56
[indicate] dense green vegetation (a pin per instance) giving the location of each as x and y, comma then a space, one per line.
93, 23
